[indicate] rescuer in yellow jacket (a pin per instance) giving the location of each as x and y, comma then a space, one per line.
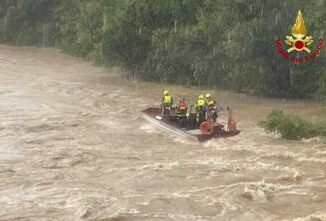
211, 103
167, 103
211, 107
200, 109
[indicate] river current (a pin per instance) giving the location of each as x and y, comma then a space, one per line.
74, 146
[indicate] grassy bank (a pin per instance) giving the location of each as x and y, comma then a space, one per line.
292, 127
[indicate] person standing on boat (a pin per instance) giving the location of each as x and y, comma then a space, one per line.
182, 109
200, 109
167, 103
212, 107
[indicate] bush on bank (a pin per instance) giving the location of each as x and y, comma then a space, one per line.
216, 43
292, 127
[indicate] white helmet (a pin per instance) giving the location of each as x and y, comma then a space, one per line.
207, 96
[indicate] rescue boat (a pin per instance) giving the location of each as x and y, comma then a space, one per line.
189, 126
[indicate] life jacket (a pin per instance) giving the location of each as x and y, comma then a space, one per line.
200, 103
167, 99
182, 105
210, 103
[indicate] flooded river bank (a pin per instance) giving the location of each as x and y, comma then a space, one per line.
74, 146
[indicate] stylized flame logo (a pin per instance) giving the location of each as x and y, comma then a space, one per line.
299, 31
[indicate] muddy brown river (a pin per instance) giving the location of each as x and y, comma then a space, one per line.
74, 146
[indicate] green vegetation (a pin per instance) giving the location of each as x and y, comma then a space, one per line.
292, 127
216, 43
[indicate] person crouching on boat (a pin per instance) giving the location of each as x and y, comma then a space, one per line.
182, 109
212, 107
167, 103
200, 109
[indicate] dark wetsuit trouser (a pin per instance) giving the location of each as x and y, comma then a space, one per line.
200, 114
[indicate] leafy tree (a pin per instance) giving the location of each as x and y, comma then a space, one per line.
218, 43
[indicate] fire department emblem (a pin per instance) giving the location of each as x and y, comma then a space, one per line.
299, 41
